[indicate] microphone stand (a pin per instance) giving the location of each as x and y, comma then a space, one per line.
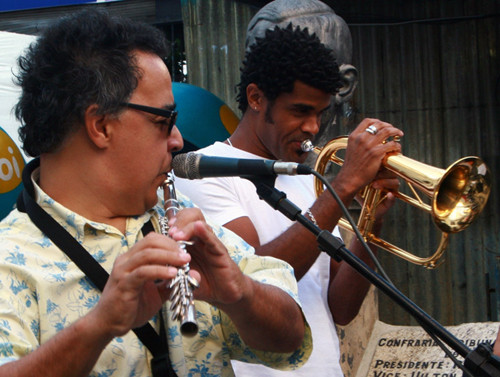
480, 362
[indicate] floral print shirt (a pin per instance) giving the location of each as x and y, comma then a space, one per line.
43, 291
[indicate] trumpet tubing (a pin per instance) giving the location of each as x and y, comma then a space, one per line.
457, 194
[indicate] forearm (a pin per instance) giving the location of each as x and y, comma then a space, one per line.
267, 318
347, 290
496, 347
297, 245
72, 352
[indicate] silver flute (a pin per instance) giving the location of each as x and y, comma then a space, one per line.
181, 297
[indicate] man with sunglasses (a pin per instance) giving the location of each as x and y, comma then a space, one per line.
98, 116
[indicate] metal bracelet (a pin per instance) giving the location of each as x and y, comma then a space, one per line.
311, 216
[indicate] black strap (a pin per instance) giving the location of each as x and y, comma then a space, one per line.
160, 365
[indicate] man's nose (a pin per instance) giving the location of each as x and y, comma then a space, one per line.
175, 142
311, 124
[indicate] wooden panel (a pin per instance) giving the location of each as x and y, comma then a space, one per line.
215, 37
438, 81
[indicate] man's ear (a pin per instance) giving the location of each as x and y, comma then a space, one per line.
97, 126
254, 96
349, 77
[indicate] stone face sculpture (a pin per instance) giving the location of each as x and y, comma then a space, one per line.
320, 19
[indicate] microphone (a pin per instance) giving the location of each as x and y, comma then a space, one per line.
196, 166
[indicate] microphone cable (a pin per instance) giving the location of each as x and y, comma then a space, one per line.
353, 224
382, 271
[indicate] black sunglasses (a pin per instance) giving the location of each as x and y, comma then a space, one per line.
170, 115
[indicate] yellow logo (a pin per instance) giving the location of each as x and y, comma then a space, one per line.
228, 118
11, 163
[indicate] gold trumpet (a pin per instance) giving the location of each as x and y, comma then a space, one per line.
457, 194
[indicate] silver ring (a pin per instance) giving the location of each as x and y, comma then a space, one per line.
371, 129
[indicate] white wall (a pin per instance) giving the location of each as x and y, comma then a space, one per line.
11, 46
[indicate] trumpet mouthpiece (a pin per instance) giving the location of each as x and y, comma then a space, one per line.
307, 146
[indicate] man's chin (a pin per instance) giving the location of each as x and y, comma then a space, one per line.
151, 202
300, 156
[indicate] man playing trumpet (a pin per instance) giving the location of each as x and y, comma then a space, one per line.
287, 82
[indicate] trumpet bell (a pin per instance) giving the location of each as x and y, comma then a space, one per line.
461, 194
457, 195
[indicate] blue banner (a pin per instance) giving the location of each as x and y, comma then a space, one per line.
10, 5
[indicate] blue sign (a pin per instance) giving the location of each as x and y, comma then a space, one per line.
9, 5
203, 117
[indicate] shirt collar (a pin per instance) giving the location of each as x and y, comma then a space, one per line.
76, 224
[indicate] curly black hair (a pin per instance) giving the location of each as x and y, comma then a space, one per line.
283, 56
83, 59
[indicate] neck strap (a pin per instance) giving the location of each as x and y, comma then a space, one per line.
158, 346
